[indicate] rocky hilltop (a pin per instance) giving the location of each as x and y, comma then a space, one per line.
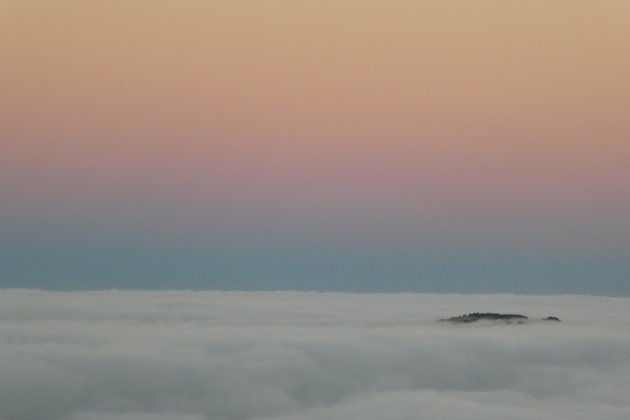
492, 316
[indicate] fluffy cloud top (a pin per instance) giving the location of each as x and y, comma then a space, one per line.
283, 355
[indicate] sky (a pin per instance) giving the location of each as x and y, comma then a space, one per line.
431, 146
209, 355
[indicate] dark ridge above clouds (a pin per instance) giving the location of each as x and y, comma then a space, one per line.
492, 316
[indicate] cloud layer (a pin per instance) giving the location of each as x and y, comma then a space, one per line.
286, 355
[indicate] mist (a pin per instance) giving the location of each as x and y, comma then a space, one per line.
191, 355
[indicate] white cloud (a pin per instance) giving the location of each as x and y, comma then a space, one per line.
287, 355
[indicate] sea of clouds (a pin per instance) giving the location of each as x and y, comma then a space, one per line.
184, 355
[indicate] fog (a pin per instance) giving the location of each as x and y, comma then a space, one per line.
186, 355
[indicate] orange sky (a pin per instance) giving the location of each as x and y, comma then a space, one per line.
358, 109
